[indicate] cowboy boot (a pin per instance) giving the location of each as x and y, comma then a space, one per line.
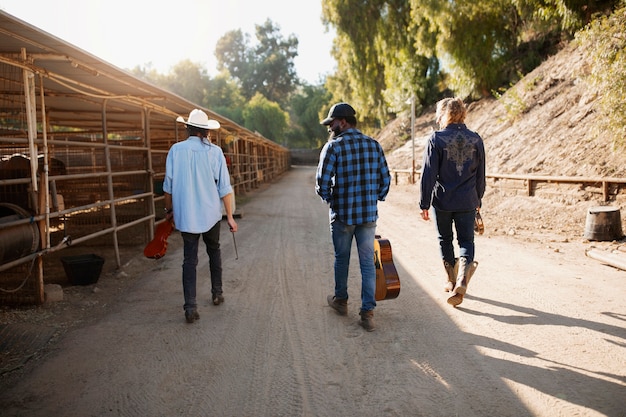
452, 272
338, 304
466, 271
367, 320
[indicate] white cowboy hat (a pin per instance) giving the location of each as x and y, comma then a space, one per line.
198, 118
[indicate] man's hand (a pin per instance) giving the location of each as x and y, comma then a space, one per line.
425, 215
232, 224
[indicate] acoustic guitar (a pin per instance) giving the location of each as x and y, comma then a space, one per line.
387, 279
158, 246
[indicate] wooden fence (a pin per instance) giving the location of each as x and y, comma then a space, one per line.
608, 186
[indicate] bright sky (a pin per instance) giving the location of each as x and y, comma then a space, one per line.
127, 33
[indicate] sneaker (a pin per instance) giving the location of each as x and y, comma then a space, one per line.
340, 305
367, 320
218, 299
191, 315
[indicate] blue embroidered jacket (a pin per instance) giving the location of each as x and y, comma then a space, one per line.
453, 172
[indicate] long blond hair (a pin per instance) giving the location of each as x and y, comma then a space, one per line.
450, 110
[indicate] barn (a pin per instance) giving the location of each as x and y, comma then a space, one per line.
82, 156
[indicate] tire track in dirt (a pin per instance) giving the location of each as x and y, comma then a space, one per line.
275, 348
279, 284
283, 372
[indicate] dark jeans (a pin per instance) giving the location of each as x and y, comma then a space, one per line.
463, 222
190, 249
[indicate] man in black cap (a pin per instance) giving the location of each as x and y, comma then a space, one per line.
352, 176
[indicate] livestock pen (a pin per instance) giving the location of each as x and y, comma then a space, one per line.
82, 156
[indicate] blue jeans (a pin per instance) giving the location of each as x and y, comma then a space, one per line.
342, 235
464, 225
190, 262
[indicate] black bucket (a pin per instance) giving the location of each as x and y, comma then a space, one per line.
83, 269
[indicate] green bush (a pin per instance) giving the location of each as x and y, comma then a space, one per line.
604, 40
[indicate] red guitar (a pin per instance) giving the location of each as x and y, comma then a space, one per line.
157, 246
387, 279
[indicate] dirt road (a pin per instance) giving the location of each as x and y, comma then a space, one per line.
540, 333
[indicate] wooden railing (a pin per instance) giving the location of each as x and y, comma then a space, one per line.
531, 181
411, 173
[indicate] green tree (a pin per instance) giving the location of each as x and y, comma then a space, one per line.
275, 66
148, 73
360, 75
305, 104
188, 80
408, 71
235, 56
387, 49
378, 64
224, 97
486, 45
267, 68
266, 117
567, 15
604, 42
473, 39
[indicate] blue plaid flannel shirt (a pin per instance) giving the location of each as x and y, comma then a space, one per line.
352, 176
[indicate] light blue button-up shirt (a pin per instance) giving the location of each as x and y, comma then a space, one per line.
197, 177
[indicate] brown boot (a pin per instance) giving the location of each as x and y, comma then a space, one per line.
218, 299
367, 320
340, 305
452, 272
462, 281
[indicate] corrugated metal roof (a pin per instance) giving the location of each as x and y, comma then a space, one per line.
77, 83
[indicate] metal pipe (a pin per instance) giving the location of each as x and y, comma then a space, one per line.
107, 158
148, 143
31, 120
45, 241
611, 259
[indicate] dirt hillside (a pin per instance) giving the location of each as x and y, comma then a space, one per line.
541, 126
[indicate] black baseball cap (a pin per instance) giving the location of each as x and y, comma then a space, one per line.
339, 110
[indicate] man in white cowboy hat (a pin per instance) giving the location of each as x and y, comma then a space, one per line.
196, 179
